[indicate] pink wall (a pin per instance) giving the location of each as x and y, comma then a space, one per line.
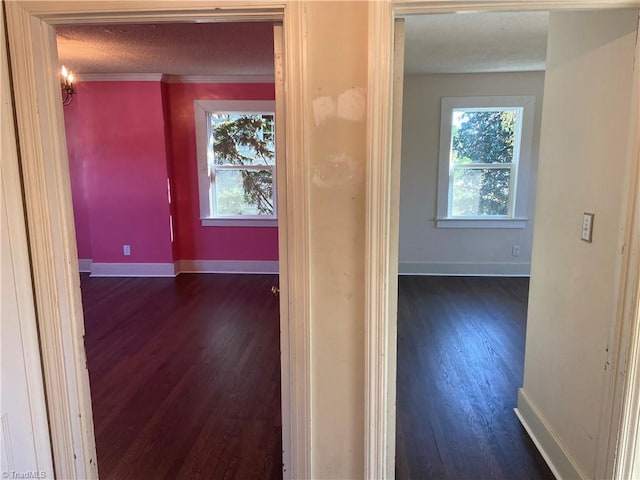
117, 156
124, 140
193, 241
75, 148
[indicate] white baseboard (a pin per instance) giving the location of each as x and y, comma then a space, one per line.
489, 269
133, 270
556, 455
227, 266
84, 264
174, 269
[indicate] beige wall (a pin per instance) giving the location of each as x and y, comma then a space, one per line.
337, 46
583, 168
423, 247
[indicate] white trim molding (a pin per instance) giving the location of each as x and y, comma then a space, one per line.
84, 265
466, 269
164, 78
227, 266
624, 443
133, 270
218, 79
118, 77
17, 264
379, 462
294, 237
481, 222
417, 7
49, 212
551, 448
106, 269
52, 243
239, 222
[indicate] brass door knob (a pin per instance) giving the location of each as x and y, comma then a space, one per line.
275, 290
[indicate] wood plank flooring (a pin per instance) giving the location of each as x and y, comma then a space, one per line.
460, 363
185, 376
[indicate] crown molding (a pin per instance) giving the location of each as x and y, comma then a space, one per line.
119, 77
164, 78
218, 78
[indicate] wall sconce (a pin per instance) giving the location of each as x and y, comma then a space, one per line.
68, 89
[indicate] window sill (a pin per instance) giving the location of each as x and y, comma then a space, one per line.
481, 222
239, 222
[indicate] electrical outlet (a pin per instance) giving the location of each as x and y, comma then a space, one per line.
126, 249
515, 251
587, 227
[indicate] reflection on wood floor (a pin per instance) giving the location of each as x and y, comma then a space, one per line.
185, 376
460, 363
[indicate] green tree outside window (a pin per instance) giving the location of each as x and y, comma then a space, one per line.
243, 156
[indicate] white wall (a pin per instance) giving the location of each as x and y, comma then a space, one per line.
423, 247
573, 295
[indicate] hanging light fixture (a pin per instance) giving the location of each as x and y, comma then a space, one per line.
68, 89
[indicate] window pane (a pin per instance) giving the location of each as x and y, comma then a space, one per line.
244, 192
479, 192
485, 136
242, 139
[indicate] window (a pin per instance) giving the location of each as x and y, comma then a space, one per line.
236, 162
485, 145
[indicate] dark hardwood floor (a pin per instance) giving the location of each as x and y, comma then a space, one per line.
460, 363
185, 376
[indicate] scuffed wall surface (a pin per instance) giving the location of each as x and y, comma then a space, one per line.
337, 45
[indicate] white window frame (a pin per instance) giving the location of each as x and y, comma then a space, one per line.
206, 186
520, 168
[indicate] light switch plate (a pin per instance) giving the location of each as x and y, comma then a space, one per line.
587, 227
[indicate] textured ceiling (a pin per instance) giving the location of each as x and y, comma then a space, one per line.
476, 42
172, 48
448, 43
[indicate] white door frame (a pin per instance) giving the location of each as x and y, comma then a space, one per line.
627, 411
52, 243
382, 238
12, 214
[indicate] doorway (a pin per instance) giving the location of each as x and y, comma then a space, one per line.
51, 232
152, 343
472, 108
384, 334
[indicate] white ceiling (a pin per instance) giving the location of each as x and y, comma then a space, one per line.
447, 43
476, 42
207, 49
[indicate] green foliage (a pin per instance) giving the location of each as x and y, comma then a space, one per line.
480, 192
230, 200
245, 140
258, 189
482, 137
